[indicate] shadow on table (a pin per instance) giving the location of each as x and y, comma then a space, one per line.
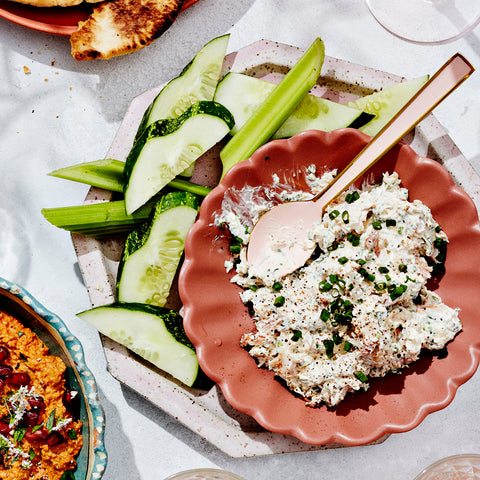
122, 78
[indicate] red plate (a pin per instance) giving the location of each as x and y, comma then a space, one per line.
215, 317
56, 20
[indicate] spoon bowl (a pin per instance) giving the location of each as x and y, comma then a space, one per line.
279, 244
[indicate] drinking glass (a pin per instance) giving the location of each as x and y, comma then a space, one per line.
426, 21
456, 467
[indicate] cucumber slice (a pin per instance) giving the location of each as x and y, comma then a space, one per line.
267, 118
386, 103
167, 147
154, 333
243, 94
152, 253
197, 82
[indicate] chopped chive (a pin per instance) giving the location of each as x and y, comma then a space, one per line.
347, 346
334, 214
345, 217
72, 434
279, 301
254, 288
337, 339
366, 275
324, 315
277, 286
402, 267
390, 222
377, 225
383, 269
333, 278
361, 261
396, 291
351, 197
361, 376
329, 346
235, 248
343, 260
324, 286
297, 334
438, 228
380, 286
353, 239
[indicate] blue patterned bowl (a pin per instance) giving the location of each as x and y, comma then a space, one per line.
16, 301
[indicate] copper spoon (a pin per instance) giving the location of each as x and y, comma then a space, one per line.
286, 226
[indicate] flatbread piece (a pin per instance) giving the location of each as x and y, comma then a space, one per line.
122, 26
55, 3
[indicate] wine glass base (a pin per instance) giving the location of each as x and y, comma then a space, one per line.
456, 467
426, 21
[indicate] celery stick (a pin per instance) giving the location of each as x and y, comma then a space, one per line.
261, 125
108, 174
97, 219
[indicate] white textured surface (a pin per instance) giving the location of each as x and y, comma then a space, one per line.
65, 112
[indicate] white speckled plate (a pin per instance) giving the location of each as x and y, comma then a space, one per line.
207, 412
16, 301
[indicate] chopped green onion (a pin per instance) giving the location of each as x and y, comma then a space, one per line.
334, 214
380, 286
279, 301
297, 334
235, 248
351, 197
324, 315
343, 260
345, 217
402, 267
353, 239
277, 286
347, 346
324, 286
361, 376
396, 291
383, 269
329, 346
390, 222
72, 434
377, 225
366, 275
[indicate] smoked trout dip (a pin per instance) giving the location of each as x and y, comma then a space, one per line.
359, 308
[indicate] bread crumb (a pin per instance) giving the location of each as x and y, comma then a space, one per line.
26, 70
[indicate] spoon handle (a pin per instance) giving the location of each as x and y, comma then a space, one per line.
445, 80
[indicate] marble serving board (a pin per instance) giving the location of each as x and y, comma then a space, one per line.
206, 412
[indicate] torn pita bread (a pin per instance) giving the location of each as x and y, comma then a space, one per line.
55, 3
122, 26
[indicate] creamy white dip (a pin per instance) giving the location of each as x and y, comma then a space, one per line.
360, 307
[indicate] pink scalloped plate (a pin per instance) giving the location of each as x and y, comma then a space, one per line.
215, 317
55, 20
